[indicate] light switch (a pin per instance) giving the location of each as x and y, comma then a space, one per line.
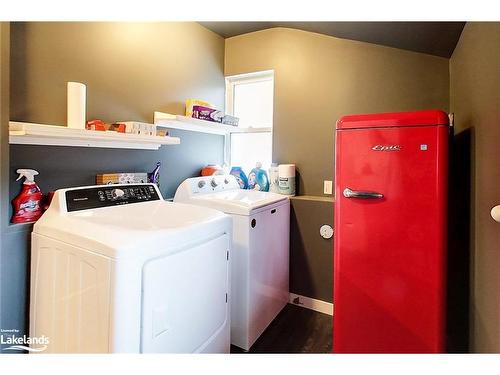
327, 187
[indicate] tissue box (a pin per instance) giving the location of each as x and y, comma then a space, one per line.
210, 114
207, 114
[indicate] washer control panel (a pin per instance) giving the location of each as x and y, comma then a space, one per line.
109, 195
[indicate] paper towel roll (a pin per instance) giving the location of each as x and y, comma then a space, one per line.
77, 97
495, 213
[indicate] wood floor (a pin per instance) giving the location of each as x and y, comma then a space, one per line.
295, 330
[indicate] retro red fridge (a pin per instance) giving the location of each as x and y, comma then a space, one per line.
390, 233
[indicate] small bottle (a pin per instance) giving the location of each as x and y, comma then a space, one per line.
241, 177
154, 176
28, 204
274, 180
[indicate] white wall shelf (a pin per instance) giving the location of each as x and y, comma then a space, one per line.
51, 135
192, 124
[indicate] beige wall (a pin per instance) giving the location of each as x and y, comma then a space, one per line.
318, 78
130, 69
475, 100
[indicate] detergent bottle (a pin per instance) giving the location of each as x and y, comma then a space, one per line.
154, 176
240, 176
258, 179
28, 204
274, 178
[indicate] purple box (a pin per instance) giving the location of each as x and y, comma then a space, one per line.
207, 114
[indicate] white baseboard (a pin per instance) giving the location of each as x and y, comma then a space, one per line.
311, 303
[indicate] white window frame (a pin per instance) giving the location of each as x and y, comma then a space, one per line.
231, 82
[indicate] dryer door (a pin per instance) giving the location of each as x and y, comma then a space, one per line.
185, 304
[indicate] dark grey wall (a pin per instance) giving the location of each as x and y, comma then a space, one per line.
435, 38
475, 98
311, 256
15, 264
61, 167
4, 117
12, 315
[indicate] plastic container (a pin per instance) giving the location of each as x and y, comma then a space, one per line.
241, 177
274, 186
287, 179
154, 176
211, 169
28, 205
258, 179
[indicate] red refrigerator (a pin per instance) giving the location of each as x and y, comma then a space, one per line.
391, 177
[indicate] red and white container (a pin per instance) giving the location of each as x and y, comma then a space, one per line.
27, 205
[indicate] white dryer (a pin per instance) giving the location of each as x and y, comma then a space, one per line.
116, 268
260, 251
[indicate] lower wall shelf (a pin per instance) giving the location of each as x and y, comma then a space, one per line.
50, 135
316, 198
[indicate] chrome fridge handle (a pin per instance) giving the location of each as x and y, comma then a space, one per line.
349, 193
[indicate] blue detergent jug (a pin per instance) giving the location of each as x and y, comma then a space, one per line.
258, 179
241, 177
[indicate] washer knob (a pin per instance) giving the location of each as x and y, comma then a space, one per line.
201, 184
213, 183
117, 193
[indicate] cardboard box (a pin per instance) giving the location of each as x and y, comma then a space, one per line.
121, 178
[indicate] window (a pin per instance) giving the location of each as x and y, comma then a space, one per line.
250, 98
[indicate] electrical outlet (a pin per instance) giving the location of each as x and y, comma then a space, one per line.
327, 187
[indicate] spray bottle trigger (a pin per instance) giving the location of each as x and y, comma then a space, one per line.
28, 174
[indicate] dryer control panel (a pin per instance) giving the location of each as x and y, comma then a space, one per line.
109, 195
206, 185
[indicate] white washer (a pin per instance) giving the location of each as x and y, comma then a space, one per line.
260, 256
115, 268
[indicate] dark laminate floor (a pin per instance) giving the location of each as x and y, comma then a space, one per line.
295, 330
